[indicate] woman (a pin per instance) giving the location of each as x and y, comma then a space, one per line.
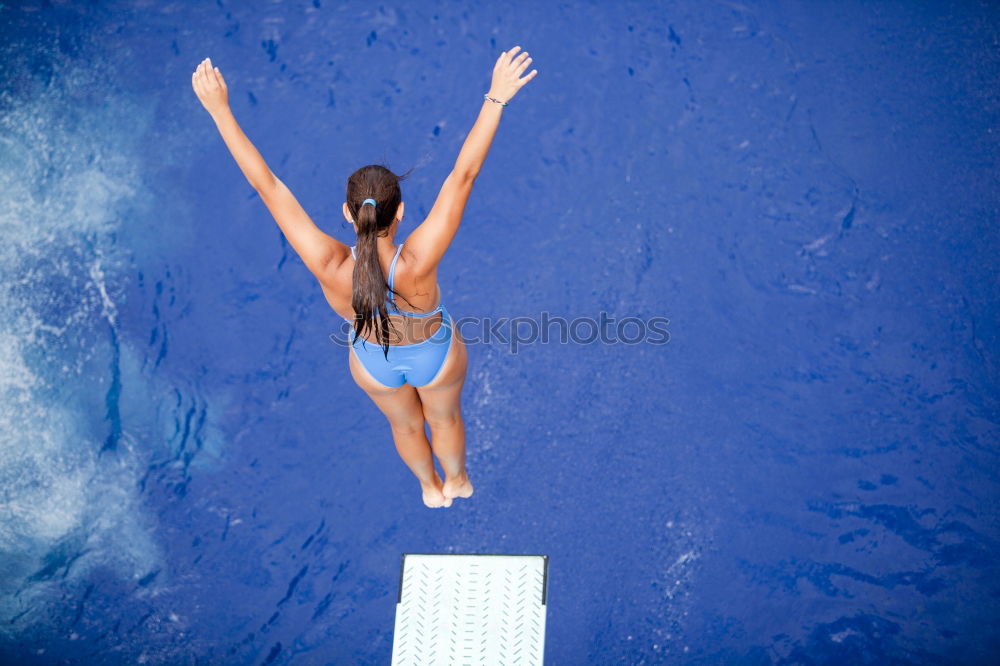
410, 361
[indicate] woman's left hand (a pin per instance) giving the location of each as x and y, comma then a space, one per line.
210, 87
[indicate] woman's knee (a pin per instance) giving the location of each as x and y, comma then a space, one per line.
407, 427
443, 419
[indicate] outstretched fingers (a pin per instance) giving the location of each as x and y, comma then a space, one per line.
518, 66
519, 61
504, 61
508, 72
523, 66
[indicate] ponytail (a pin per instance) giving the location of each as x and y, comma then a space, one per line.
370, 286
368, 294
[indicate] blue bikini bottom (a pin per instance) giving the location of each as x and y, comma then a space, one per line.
417, 364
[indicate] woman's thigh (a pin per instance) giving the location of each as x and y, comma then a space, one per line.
401, 405
441, 397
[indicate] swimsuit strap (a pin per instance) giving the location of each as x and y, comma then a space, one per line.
389, 305
420, 315
392, 279
392, 266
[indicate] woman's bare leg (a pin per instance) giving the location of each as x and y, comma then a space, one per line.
402, 408
441, 400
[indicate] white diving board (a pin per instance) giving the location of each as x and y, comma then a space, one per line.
471, 609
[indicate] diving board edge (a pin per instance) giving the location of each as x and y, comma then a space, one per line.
545, 570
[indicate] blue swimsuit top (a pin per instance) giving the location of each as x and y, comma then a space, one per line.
388, 303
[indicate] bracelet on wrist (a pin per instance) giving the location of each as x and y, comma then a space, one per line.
487, 96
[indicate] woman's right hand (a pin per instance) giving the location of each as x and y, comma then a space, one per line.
210, 87
507, 73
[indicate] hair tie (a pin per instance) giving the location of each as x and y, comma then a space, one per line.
367, 200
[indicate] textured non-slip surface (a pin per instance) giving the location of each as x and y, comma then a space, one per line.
470, 609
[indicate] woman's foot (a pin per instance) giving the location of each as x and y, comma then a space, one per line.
433, 497
459, 486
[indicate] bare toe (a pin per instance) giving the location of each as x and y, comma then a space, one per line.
432, 495
435, 499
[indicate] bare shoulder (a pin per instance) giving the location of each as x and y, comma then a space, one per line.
337, 276
414, 264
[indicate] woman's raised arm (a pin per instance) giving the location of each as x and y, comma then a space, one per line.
428, 242
319, 251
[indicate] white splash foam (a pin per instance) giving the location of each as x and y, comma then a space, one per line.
67, 170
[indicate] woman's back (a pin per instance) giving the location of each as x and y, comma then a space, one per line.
417, 312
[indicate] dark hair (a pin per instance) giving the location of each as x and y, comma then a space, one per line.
368, 295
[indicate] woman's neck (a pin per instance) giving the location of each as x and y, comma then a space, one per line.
385, 244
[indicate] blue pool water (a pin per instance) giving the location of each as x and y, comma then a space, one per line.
806, 473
